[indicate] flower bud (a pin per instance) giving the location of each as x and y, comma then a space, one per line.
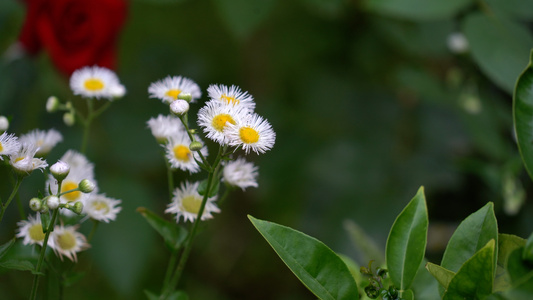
35, 204
195, 146
52, 202
179, 107
4, 124
118, 91
52, 104
86, 186
77, 208
185, 96
44, 208
60, 170
69, 119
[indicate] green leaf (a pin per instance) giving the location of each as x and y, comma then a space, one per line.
417, 9
513, 8
21, 265
242, 17
407, 241
317, 266
503, 61
474, 279
507, 243
425, 286
5, 247
528, 249
443, 276
202, 188
523, 115
353, 267
173, 234
177, 295
365, 244
408, 295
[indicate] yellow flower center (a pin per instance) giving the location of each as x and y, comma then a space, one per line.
93, 84
182, 153
67, 186
230, 99
66, 240
1, 147
19, 159
249, 135
100, 206
191, 204
173, 93
219, 121
36, 232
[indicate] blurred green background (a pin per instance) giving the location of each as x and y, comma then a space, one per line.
368, 103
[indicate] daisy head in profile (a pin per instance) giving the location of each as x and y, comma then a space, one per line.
96, 82
240, 173
163, 127
101, 208
9, 145
68, 241
44, 139
215, 117
31, 231
24, 161
254, 133
171, 87
180, 156
187, 202
231, 96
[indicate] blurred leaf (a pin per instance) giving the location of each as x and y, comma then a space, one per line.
5, 247
443, 276
475, 277
528, 249
365, 244
417, 9
21, 265
408, 295
202, 187
317, 266
523, 115
502, 62
513, 8
242, 16
521, 277
425, 286
177, 295
173, 234
407, 241
72, 278
507, 243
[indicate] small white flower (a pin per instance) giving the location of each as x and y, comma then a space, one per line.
32, 231
179, 107
67, 241
254, 133
240, 173
180, 155
45, 140
186, 203
231, 96
4, 123
215, 117
60, 170
9, 144
164, 127
94, 82
169, 88
24, 160
102, 208
118, 91
457, 43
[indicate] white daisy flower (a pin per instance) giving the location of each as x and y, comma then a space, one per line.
254, 133
164, 127
180, 156
169, 88
240, 173
9, 144
32, 231
67, 241
24, 161
186, 203
214, 117
95, 82
102, 208
45, 140
231, 96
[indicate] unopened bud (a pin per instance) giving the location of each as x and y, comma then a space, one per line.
77, 208
4, 124
52, 104
118, 91
60, 170
185, 96
69, 119
179, 107
195, 146
86, 186
52, 202
35, 204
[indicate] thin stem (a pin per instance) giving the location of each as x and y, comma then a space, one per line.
21, 208
93, 230
35, 285
168, 273
3, 207
170, 177
191, 137
87, 125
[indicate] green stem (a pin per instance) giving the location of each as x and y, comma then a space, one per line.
21, 208
93, 230
168, 273
87, 125
3, 206
191, 137
170, 177
35, 285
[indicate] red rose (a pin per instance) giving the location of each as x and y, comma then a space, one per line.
76, 33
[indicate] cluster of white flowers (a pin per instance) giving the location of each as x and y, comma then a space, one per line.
228, 118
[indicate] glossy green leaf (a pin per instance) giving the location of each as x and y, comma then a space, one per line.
503, 61
408, 295
528, 250
474, 279
521, 275
242, 17
353, 267
5, 247
443, 276
21, 265
523, 115
407, 241
173, 234
507, 243
417, 9
321, 270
